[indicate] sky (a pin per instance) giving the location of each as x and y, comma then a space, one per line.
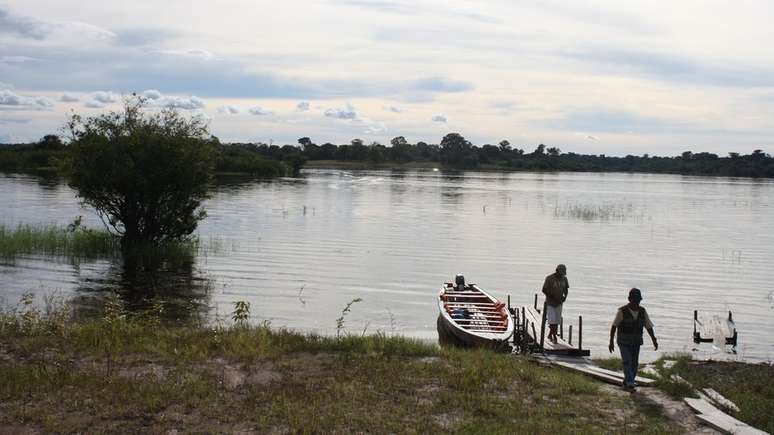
604, 76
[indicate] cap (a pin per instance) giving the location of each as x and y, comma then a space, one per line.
635, 294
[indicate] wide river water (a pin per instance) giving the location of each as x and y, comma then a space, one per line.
300, 249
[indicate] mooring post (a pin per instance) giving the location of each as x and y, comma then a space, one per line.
570, 335
561, 327
524, 320
580, 332
509, 302
730, 318
543, 327
536, 308
695, 319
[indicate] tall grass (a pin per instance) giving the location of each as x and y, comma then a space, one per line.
54, 240
76, 242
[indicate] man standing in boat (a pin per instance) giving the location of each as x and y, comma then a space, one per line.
555, 288
630, 320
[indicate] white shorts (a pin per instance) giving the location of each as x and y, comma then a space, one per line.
554, 314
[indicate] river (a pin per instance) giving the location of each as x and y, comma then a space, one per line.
300, 249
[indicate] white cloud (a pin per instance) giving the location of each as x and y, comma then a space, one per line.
302, 106
10, 100
105, 97
228, 110
94, 104
185, 103
152, 94
439, 118
259, 111
6, 138
69, 98
347, 113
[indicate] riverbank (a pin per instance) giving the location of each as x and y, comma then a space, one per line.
128, 372
749, 386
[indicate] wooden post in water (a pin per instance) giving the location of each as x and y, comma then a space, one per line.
524, 339
695, 319
509, 304
536, 308
542, 327
561, 327
580, 332
570, 335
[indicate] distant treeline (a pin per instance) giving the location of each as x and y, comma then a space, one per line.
454, 151
51, 154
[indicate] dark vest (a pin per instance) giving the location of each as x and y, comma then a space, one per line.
630, 329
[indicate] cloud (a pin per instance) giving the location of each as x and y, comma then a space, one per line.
347, 113
228, 110
105, 97
393, 109
94, 104
374, 127
439, 118
140, 37
612, 121
68, 98
10, 100
152, 94
185, 103
441, 84
670, 67
17, 59
302, 106
196, 53
21, 26
259, 111
57, 31
6, 138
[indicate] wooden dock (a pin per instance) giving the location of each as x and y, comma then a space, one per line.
531, 331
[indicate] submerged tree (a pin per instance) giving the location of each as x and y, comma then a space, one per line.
145, 173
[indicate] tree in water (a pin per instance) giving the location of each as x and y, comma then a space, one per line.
145, 173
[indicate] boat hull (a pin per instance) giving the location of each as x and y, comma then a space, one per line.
490, 324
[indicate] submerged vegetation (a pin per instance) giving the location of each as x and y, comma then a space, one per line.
54, 240
603, 212
125, 372
77, 242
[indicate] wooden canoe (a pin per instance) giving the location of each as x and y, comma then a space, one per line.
472, 318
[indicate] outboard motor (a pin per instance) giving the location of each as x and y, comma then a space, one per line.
459, 282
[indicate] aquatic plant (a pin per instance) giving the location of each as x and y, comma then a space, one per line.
602, 212
54, 240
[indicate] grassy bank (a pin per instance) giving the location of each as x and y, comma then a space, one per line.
128, 373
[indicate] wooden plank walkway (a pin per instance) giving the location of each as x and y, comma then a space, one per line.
587, 367
561, 347
720, 420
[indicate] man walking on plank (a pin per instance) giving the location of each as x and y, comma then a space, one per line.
555, 288
630, 320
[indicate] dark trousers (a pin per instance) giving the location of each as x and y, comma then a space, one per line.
630, 355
